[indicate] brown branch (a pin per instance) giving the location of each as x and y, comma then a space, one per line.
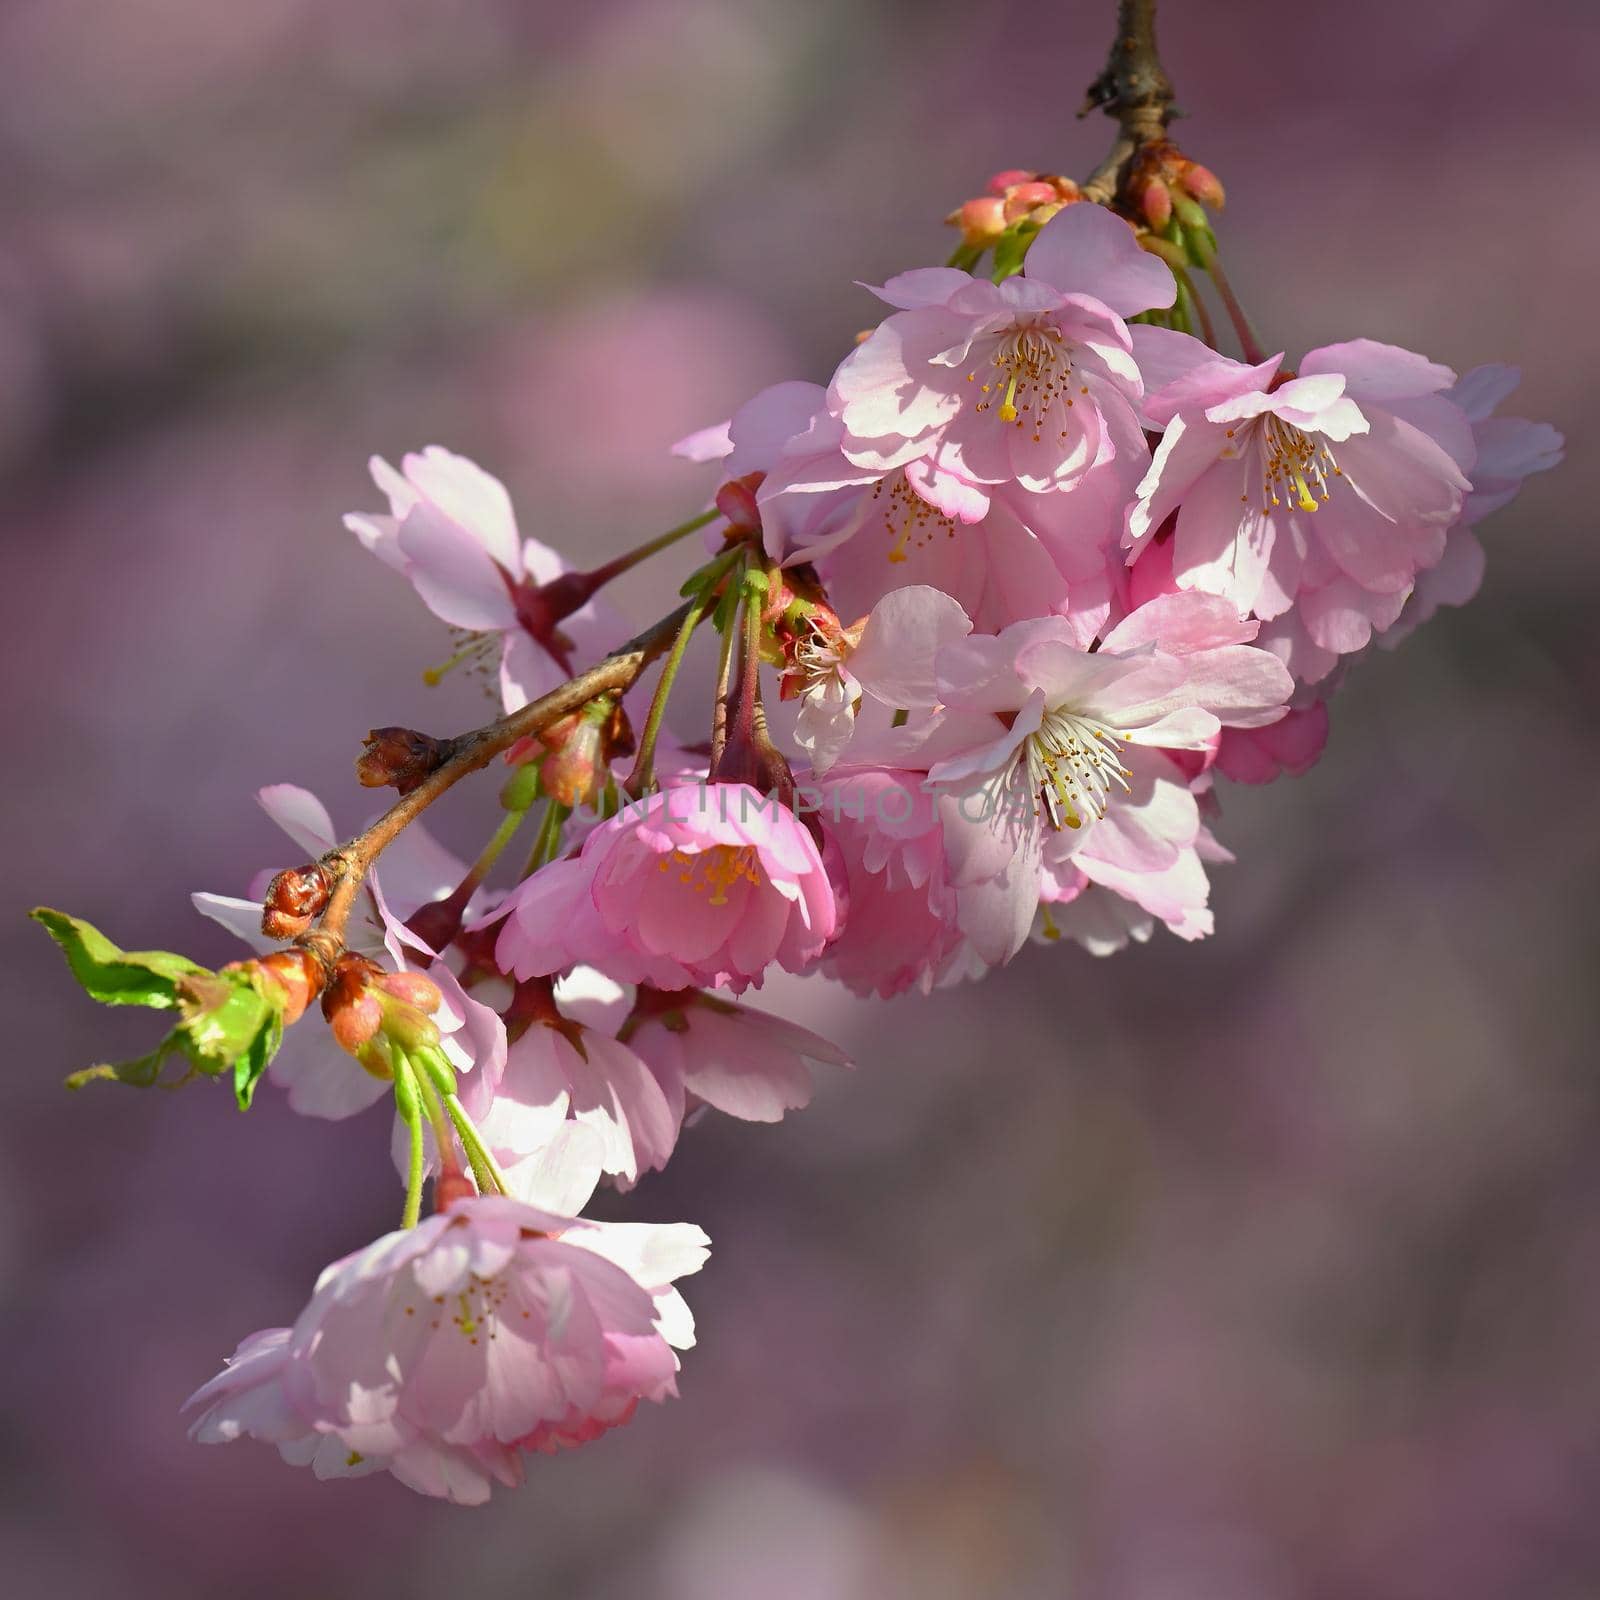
1133, 88
350, 863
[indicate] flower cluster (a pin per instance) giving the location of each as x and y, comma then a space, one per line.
997, 605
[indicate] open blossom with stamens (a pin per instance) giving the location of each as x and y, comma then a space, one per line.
1324, 493
1035, 738
1030, 381
321, 1080
451, 530
441, 1353
702, 884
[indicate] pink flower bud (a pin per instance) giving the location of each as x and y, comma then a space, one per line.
736, 500
1008, 179
1022, 199
1155, 203
1204, 185
981, 221
355, 1023
413, 988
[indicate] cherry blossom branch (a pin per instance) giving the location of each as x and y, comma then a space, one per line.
350, 863
1134, 88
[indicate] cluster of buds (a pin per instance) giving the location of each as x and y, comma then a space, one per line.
294, 900
373, 1013
1163, 179
1013, 196
399, 758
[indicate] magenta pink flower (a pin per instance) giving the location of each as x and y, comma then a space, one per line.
702, 884
1325, 493
1030, 381
441, 1353
451, 530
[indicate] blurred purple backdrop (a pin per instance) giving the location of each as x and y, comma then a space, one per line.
1259, 1270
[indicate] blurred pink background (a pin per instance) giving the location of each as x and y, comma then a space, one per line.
1264, 1269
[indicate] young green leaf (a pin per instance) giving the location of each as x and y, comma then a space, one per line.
111, 975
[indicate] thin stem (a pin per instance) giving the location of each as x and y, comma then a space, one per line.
1190, 297
547, 842
631, 558
643, 775
409, 1105
491, 1180
444, 1138
351, 862
719, 705
1248, 342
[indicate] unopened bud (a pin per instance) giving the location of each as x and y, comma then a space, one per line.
399, 758
736, 500
356, 1023
293, 899
1009, 179
413, 988
1204, 185
1154, 200
299, 974
981, 221
1024, 197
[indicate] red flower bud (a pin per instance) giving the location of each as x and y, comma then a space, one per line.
399, 758
293, 899
1154, 200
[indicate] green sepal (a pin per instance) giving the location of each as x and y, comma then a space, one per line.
109, 974
1011, 249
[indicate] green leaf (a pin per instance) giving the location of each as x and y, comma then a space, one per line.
228, 1020
111, 975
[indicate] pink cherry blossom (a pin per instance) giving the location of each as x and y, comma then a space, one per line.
558, 1068
1035, 735
705, 1050
1292, 746
441, 1353
1030, 381
451, 530
1508, 450
320, 1078
700, 884
1325, 492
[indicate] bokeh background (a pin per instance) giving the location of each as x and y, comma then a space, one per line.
1266, 1269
